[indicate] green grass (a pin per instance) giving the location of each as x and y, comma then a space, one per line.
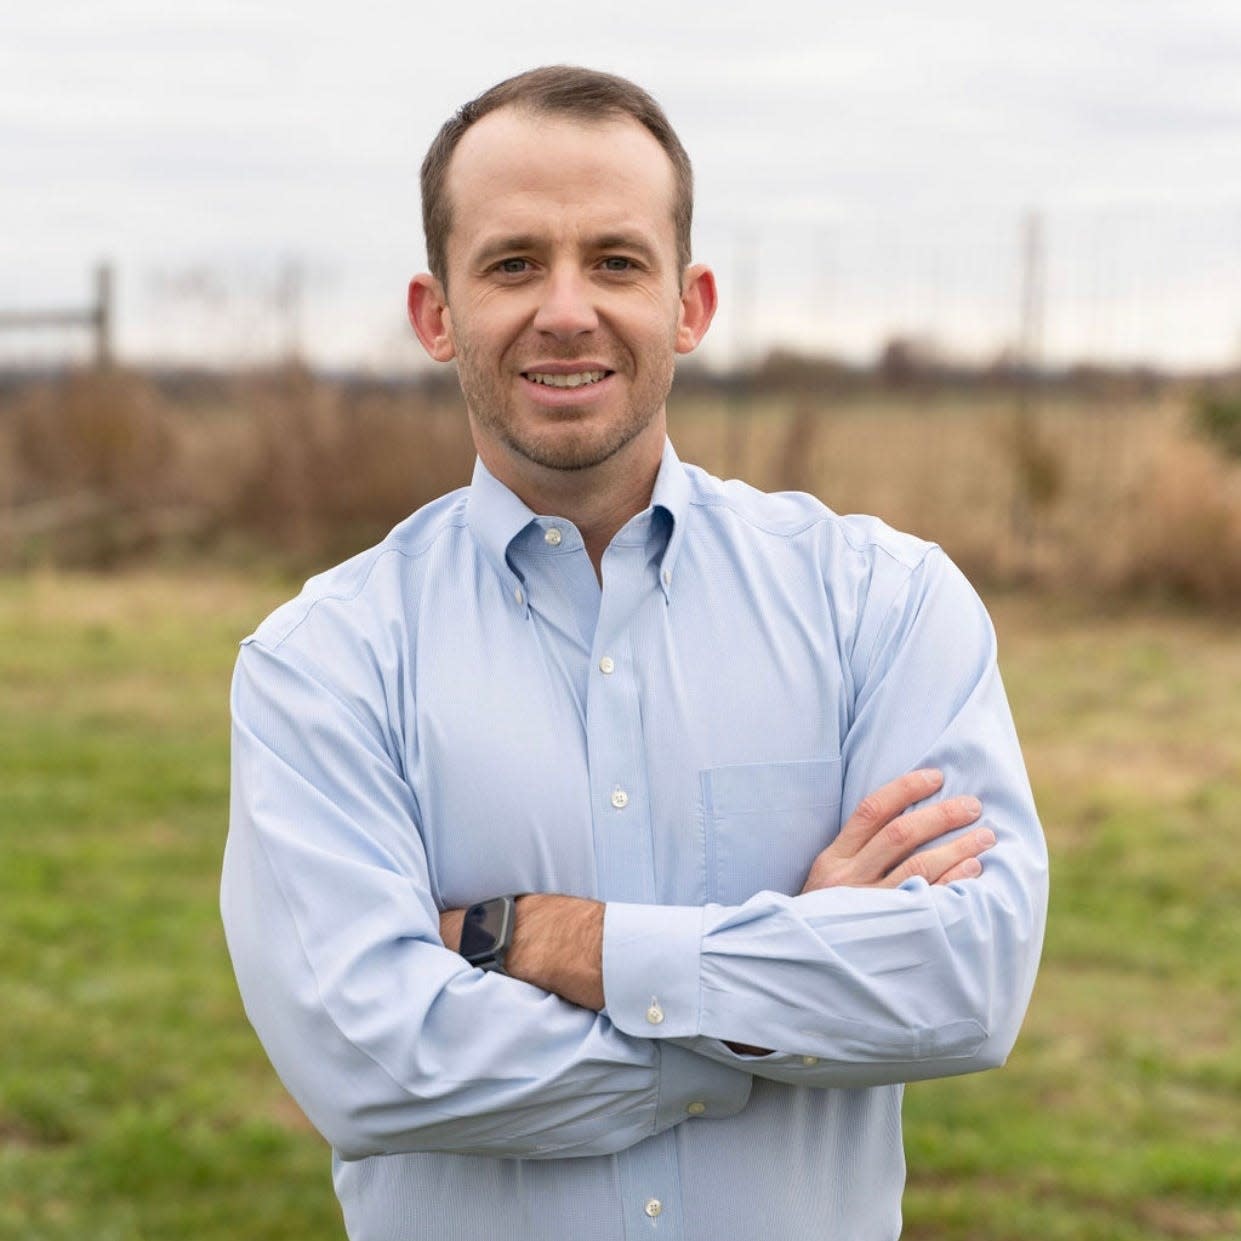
135, 1104
1118, 1116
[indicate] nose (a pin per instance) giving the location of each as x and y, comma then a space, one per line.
566, 308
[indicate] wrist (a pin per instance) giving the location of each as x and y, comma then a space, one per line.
558, 945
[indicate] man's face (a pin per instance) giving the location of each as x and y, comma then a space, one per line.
564, 305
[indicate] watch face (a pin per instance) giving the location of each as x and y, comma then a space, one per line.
483, 929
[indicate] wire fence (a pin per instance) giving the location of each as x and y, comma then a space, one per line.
1155, 286
1117, 286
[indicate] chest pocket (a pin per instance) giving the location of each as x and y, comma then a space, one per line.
764, 823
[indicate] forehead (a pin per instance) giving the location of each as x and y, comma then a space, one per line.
515, 172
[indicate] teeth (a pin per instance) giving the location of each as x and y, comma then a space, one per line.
575, 380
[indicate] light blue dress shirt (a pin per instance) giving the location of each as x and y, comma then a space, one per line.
462, 711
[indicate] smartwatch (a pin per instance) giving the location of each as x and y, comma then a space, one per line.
487, 932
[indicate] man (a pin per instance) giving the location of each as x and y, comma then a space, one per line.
728, 751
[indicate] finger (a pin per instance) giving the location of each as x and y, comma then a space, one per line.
934, 864
901, 838
971, 868
876, 810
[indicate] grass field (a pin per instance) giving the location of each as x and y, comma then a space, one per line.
136, 1105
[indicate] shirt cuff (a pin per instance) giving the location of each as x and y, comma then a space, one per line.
651, 969
690, 1085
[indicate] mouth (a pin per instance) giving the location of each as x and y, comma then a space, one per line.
566, 379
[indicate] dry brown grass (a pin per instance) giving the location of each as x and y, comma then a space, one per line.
1072, 494
96, 469
1085, 494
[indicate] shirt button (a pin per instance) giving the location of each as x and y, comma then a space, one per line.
620, 799
696, 1108
667, 577
518, 595
810, 1061
654, 1014
552, 536
653, 1207
607, 665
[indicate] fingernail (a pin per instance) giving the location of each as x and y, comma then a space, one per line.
971, 805
972, 867
933, 776
986, 837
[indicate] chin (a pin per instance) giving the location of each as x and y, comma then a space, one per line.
580, 447
566, 455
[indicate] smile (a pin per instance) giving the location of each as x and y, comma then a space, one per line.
574, 379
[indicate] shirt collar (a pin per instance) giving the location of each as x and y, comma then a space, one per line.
496, 515
671, 493
496, 518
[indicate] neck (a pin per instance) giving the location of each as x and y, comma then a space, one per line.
598, 500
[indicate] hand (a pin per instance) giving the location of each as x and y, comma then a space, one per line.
877, 847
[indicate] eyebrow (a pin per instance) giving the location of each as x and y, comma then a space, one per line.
625, 241
505, 245
517, 242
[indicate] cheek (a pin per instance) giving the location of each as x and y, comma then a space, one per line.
654, 318
491, 319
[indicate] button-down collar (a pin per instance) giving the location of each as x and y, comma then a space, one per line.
671, 493
497, 516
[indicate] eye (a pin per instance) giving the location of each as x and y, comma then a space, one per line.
512, 267
617, 263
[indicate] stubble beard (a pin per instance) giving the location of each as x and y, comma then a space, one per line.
565, 441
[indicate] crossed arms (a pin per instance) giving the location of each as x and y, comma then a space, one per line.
558, 940
895, 962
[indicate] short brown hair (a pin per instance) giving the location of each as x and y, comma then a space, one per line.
566, 90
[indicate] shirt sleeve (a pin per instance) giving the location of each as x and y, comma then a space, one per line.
387, 1040
868, 986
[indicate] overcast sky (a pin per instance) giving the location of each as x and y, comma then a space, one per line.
861, 167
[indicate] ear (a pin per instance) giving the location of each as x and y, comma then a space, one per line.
430, 317
698, 303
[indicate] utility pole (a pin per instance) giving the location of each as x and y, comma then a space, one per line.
745, 295
1030, 334
103, 316
745, 281
1237, 354
825, 254
1032, 479
290, 299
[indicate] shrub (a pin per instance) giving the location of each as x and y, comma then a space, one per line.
1217, 416
107, 433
